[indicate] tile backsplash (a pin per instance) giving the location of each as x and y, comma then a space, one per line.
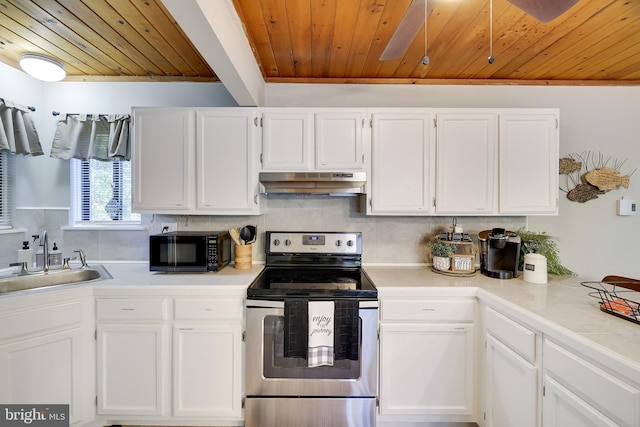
386, 239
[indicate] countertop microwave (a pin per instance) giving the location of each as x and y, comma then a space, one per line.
189, 251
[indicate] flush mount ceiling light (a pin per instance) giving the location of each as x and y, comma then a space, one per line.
42, 67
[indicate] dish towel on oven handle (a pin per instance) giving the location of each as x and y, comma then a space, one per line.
347, 329
296, 329
321, 331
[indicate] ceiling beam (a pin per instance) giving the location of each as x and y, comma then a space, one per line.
215, 29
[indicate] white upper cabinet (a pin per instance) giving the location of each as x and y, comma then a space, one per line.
286, 140
196, 162
307, 140
338, 140
227, 166
529, 163
163, 159
466, 165
402, 159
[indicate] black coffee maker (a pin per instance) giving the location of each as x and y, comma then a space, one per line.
499, 253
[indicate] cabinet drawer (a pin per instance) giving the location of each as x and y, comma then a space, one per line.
41, 320
131, 309
218, 308
520, 339
429, 310
608, 394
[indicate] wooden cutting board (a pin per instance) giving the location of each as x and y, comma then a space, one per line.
623, 282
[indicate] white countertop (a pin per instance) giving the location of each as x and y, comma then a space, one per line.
561, 308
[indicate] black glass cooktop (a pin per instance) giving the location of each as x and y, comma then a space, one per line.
276, 283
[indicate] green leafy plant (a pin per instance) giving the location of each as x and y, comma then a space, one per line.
544, 244
441, 248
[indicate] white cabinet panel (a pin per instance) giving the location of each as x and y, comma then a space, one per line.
226, 168
43, 370
131, 369
207, 375
426, 369
402, 159
466, 169
520, 339
602, 391
338, 140
46, 352
287, 140
511, 387
163, 159
562, 408
529, 163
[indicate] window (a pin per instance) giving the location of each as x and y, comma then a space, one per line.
7, 172
101, 193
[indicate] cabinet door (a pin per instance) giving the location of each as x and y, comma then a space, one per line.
42, 370
226, 161
287, 141
562, 408
466, 169
338, 140
207, 366
163, 160
131, 369
511, 387
401, 164
528, 164
426, 369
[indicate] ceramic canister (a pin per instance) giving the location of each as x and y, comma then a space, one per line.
535, 268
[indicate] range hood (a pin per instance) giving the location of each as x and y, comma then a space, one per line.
329, 183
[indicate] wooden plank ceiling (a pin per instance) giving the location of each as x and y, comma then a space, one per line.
108, 40
594, 42
314, 41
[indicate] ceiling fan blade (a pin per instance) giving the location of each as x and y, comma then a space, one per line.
407, 29
544, 10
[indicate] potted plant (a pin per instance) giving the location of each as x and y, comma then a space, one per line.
441, 251
544, 244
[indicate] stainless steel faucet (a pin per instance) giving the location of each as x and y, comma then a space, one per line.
44, 242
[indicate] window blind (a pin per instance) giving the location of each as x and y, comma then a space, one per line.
7, 206
101, 192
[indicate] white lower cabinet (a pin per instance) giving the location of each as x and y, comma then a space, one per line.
510, 372
207, 358
578, 392
427, 361
170, 359
45, 353
131, 369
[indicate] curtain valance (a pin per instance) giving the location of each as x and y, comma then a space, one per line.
18, 134
92, 136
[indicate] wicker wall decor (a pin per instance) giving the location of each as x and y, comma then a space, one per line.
587, 175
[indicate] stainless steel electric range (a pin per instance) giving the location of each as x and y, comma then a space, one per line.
290, 380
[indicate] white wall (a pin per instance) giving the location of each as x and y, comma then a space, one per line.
593, 241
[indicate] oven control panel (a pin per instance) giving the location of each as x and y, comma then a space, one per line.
310, 242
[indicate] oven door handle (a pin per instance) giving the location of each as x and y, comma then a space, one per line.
280, 304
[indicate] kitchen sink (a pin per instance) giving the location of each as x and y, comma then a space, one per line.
41, 279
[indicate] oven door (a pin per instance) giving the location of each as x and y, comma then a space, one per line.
269, 373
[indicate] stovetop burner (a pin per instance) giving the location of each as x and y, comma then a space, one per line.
278, 283
313, 265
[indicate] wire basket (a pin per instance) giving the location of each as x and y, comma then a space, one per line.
616, 298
